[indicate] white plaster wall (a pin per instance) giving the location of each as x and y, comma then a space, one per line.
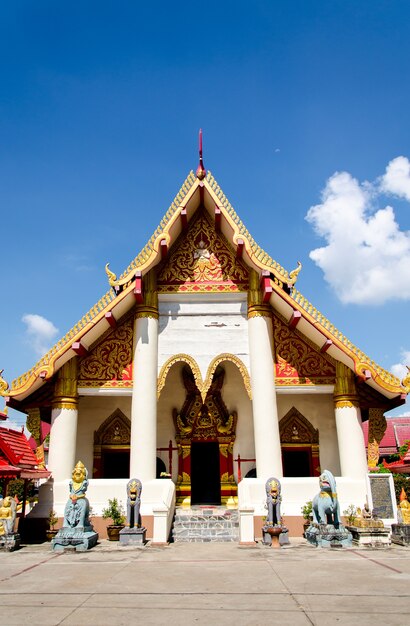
319, 410
92, 412
203, 327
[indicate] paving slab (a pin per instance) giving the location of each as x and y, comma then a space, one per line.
205, 583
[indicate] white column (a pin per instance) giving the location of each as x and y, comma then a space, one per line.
265, 412
144, 399
63, 441
352, 450
64, 418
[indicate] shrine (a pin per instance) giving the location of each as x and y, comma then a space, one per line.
204, 364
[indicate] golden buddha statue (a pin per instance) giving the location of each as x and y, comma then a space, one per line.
7, 516
404, 507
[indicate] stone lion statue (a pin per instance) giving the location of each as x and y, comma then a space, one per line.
325, 504
134, 488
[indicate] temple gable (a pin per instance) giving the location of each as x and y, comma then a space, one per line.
202, 261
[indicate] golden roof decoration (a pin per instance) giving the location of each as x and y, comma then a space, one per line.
406, 380
3, 384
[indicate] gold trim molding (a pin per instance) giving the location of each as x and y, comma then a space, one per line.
179, 358
204, 386
232, 359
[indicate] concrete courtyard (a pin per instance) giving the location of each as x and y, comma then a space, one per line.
204, 584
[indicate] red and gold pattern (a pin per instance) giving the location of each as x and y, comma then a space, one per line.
110, 363
202, 262
297, 362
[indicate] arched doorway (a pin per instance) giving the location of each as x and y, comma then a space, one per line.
299, 444
205, 434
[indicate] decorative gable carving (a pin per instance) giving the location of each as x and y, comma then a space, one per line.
202, 261
297, 361
110, 362
294, 428
115, 430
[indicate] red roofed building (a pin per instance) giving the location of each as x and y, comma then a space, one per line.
396, 434
17, 459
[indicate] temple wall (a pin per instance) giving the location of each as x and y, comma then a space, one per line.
203, 327
92, 411
319, 410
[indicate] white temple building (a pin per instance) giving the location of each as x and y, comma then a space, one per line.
203, 361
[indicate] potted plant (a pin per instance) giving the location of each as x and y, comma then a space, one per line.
350, 514
115, 512
307, 512
52, 520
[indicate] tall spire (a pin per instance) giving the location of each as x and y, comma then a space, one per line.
201, 171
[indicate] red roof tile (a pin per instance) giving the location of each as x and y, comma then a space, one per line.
402, 433
16, 448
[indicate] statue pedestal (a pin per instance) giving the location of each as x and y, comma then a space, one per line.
74, 539
275, 536
10, 542
133, 536
327, 536
401, 534
370, 537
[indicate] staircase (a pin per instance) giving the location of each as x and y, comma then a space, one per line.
205, 524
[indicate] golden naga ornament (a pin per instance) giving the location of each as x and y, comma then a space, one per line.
293, 275
112, 278
3, 384
405, 382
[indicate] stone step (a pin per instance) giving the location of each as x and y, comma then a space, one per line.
205, 524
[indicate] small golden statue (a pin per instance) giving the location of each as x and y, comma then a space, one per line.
7, 516
404, 507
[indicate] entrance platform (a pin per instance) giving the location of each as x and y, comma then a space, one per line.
194, 583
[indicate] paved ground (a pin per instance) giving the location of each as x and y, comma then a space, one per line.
204, 584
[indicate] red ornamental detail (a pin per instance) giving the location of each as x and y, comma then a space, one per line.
296, 359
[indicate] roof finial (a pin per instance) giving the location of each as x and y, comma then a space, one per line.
201, 171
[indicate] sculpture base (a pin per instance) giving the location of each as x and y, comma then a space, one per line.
275, 536
327, 536
10, 542
133, 536
370, 537
400, 534
76, 539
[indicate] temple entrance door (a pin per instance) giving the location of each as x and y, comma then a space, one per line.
205, 473
115, 463
297, 462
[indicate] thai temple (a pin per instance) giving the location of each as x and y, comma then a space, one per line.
204, 365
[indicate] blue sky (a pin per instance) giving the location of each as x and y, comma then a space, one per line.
100, 106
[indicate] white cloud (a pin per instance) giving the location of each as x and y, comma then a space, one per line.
367, 256
40, 332
396, 180
399, 369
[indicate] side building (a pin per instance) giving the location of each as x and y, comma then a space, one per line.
203, 361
